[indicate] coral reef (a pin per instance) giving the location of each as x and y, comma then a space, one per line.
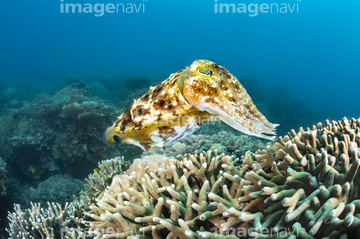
307, 182
53, 134
148, 164
2, 177
58, 188
304, 185
17, 193
39, 223
183, 200
223, 142
99, 180
11, 97
3, 196
56, 133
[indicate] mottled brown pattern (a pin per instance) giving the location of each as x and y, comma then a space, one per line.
236, 87
223, 86
156, 91
189, 92
164, 131
146, 96
125, 120
164, 103
227, 74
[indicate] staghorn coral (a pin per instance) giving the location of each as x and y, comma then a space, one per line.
183, 200
305, 185
98, 181
307, 182
148, 164
39, 223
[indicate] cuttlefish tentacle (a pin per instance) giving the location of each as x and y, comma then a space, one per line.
178, 106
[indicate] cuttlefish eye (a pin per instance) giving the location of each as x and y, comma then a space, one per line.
203, 71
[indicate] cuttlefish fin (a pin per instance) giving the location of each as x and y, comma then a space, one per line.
240, 112
242, 126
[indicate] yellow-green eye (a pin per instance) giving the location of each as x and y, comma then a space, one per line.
203, 71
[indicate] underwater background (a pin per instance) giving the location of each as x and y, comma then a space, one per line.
65, 77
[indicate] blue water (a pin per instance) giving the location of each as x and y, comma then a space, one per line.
313, 54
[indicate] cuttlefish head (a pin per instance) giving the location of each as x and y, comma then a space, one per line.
179, 105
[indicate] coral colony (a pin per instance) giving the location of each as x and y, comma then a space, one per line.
302, 185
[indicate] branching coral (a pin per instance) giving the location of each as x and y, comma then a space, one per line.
305, 185
307, 182
39, 223
107, 169
149, 164
186, 199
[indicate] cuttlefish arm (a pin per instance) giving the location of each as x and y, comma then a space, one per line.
213, 89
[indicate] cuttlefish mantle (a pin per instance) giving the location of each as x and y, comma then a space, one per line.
182, 103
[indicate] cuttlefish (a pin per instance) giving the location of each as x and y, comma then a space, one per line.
181, 104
